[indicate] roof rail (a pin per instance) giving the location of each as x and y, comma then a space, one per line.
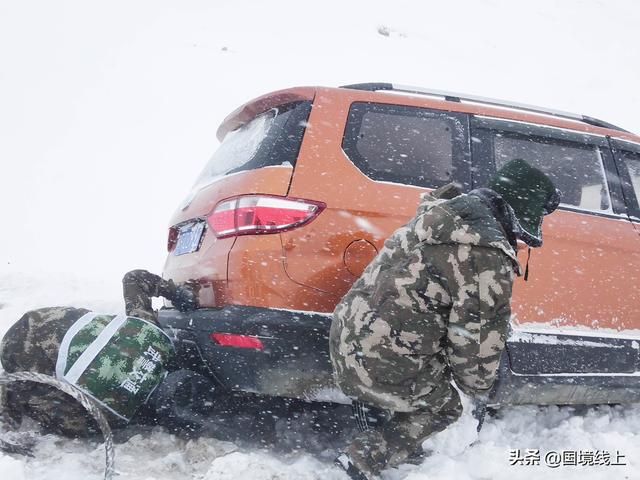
457, 97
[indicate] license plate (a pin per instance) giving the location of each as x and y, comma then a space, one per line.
189, 237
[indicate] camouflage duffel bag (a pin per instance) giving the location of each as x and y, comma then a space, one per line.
116, 360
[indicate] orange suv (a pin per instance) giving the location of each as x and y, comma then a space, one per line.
308, 183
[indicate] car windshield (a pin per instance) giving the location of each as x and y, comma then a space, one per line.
272, 138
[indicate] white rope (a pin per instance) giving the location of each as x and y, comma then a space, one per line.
90, 406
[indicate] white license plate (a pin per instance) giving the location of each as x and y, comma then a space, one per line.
189, 237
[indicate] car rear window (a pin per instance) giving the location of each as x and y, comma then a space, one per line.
400, 144
272, 138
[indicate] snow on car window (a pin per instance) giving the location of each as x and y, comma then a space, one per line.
271, 139
576, 170
237, 148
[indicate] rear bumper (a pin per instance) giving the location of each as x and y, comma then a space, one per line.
294, 363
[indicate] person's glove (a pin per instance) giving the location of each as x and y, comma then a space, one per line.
185, 297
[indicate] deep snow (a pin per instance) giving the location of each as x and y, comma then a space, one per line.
109, 111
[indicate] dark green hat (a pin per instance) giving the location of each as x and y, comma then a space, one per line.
531, 195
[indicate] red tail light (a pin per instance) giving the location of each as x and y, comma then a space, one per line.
257, 214
173, 238
240, 341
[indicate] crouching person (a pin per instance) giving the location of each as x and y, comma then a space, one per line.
432, 307
118, 360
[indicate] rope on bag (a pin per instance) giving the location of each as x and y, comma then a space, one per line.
90, 406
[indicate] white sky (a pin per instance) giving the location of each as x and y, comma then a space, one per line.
108, 110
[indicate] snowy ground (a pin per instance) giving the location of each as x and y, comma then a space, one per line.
154, 454
157, 455
109, 110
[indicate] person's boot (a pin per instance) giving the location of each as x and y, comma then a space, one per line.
417, 456
345, 462
365, 456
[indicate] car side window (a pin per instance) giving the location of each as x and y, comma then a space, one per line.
630, 162
576, 169
401, 144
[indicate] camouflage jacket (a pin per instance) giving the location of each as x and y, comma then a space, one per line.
435, 300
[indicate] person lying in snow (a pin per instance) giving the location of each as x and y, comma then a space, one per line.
117, 360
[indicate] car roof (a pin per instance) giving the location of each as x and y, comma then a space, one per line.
434, 99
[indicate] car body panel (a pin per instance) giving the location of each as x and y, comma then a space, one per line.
358, 209
586, 274
257, 277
